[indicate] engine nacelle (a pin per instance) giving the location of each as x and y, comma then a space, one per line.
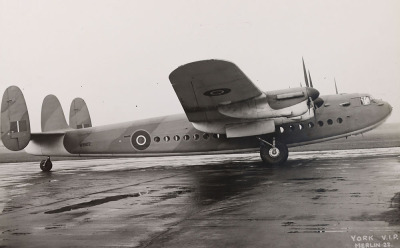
260, 115
282, 103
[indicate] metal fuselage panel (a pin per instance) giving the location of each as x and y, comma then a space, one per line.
118, 139
335, 119
166, 135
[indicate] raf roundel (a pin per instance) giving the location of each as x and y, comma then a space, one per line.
140, 140
217, 92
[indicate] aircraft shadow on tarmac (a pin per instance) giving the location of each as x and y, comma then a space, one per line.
204, 185
209, 183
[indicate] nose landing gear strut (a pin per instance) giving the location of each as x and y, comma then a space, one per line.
273, 154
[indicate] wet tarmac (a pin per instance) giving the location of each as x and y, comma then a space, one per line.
318, 199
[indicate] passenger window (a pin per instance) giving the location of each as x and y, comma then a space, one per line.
330, 122
186, 137
196, 136
177, 138
206, 136
281, 130
301, 126
166, 138
216, 136
339, 120
157, 139
320, 123
310, 125
291, 127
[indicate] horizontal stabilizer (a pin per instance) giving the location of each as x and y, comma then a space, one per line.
52, 115
15, 125
79, 114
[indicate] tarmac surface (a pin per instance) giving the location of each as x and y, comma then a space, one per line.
344, 198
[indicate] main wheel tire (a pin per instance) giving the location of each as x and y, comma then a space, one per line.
274, 155
46, 165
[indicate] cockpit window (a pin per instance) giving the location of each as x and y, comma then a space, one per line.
365, 100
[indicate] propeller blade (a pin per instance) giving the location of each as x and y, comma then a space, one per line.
309, 75
336, 86
310, 105
311, 92
315, 116
305, 73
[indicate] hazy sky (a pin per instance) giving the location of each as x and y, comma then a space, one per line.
117, 55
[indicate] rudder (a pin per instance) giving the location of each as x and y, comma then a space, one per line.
53, 117
15, 125
79, 116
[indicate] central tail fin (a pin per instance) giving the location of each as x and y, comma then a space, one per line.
53, 117
15, 125
79, 114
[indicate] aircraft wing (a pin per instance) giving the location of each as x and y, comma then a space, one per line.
202, 86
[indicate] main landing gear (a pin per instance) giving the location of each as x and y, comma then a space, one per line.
46, 165
273, 154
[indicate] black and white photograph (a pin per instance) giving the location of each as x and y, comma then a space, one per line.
262, 123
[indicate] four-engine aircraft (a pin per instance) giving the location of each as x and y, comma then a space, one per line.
225, 113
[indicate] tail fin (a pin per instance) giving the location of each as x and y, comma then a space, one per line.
79, 114
52, 115
15, 125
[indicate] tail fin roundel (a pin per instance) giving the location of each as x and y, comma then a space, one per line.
15, 125
79, 114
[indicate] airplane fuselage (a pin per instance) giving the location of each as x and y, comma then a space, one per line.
340, 115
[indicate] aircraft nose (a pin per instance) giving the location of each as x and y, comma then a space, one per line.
313, 93
388, 108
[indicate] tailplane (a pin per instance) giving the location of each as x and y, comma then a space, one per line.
79, 114
53, 118
15, 125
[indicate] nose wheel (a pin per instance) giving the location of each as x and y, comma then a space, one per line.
273, 154
46, 165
